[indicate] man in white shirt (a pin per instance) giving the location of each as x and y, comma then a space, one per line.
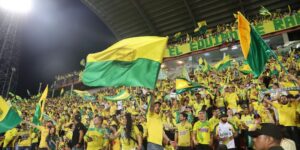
225, 132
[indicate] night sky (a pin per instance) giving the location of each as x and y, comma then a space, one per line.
54, 37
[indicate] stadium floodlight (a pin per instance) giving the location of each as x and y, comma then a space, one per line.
224, 49
16, 6
206, 54
179, 62
234, 47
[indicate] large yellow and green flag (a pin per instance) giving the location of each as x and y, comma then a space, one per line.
129, 62
183, 85
223, 64
39, 108
9, 117
122, 95
253, 46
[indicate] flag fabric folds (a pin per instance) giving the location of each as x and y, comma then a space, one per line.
245, 68
183, 85
253, 46
202, 27
85, 95
82, 62
185, 73
39, 109
129, 62
177, 35
264, 11
9, 117
122, 95
62, 91
206, 66
223, 64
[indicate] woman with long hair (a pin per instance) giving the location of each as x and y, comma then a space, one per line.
129, 134
52, 139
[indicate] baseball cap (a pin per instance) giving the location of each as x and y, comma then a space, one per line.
223, 114
78, 117
268, 129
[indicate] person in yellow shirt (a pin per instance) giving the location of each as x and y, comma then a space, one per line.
202, 136
219, 101
183, 133
9, 138
264, 111
44, 133
34, 140
231, 98
287, 111
115, 143
129, 135
24, 142
246, 118
155, 133
113, 108
198, 104
214, 120
95, 137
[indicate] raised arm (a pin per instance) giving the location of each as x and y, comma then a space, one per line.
31, 124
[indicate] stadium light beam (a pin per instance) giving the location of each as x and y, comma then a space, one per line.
16, 6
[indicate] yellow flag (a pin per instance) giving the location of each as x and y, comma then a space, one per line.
62, 91
202, 23
200, 61
43, 100
92, 107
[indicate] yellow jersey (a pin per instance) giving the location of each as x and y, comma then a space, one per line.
44, 134
247, 119
25, 139
116, 145
231, 99
286, 113
130, 142
235, 122
203, 132
98, 138
154, 128
184, 134
213, 121
220, 102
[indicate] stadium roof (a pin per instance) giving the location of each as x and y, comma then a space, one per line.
127, 18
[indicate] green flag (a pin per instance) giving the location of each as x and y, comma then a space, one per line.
264, 11
122, 95
253, 46
9, 117
130, 62
183, 85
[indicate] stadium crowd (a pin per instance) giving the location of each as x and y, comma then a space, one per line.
226, 114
